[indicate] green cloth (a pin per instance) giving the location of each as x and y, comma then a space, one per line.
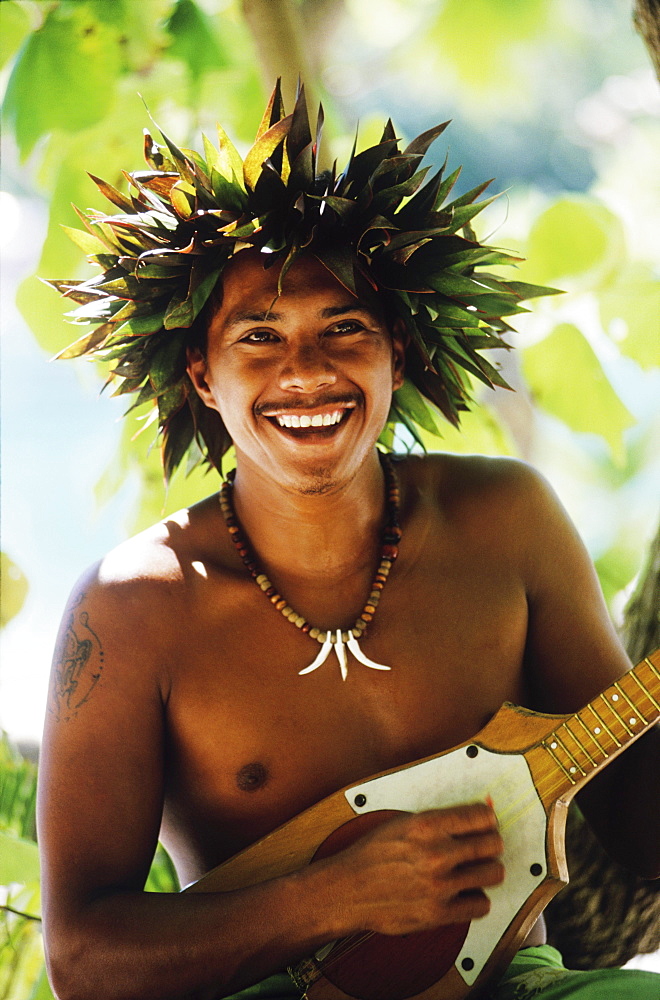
539, 972
534, 972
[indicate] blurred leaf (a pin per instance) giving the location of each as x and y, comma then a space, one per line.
19, 859
480, 433
21, 947
43, 311
140, 27
630, 313
41, 989
18, 792
493, 27
617, 567
567, 380
64, 75
104, 149
14, 26
576, 238
13, 589
194, 40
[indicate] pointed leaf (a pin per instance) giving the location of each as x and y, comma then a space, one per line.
274, 110
112, 194
425, 139
87, 343
231, 164
299, 135
263, 149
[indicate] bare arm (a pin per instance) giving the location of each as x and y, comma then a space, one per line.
573, 652
100, 803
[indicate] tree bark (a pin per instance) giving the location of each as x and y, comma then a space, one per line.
646, 18
279, 37
641, 626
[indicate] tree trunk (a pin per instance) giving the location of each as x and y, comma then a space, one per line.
279, 37
641, 626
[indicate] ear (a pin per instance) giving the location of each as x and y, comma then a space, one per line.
197, 370
400, 341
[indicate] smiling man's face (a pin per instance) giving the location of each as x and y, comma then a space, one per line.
303, 381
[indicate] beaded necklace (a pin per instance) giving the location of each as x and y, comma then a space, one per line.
328, 638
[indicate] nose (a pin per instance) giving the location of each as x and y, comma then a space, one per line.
307, 368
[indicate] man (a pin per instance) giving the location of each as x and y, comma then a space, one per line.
197, 691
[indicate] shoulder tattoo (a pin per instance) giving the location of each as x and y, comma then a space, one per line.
77, 664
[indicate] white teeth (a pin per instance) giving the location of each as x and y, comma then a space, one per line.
318, 420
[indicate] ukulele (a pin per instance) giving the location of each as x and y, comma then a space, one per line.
528, 765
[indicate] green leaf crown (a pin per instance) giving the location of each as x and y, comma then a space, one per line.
184, 218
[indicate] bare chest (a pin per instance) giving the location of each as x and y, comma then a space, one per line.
252, 742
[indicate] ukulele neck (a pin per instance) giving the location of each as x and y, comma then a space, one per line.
584, 742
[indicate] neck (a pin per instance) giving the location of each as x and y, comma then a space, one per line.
328, 534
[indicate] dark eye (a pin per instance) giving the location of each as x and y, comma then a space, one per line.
346, 326
259, 337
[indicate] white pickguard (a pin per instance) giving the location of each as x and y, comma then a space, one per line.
457, 778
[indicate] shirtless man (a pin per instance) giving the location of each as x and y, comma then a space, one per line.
178, 706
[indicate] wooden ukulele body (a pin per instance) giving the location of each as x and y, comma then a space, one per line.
528, 765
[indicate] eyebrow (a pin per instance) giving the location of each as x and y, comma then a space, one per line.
330, 312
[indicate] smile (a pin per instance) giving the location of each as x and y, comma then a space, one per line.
323, 419
304, 420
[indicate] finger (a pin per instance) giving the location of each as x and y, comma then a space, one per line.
457, 853
467, 906
478, 846
480, 876
475, 817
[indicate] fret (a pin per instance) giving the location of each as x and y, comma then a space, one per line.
634, 707
604, 725
551, 747
652, 666
646, 691
615, 698
575, 764
591, 736
577, 742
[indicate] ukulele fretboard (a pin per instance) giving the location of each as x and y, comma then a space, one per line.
586, 740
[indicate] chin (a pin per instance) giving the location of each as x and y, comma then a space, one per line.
315, 481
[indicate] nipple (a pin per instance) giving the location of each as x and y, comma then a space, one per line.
252, 777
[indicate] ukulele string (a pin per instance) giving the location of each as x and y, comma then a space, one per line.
344, 947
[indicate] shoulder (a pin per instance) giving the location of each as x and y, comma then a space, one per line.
461, 482
502, 505
150, 574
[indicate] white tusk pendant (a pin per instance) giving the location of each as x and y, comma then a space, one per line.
341, 655
340, 650
321, 658
359, 655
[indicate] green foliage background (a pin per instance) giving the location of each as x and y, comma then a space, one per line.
557, 99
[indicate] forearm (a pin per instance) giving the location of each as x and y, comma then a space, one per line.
156, 946
623, 806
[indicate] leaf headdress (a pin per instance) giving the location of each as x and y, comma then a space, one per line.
184, 218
